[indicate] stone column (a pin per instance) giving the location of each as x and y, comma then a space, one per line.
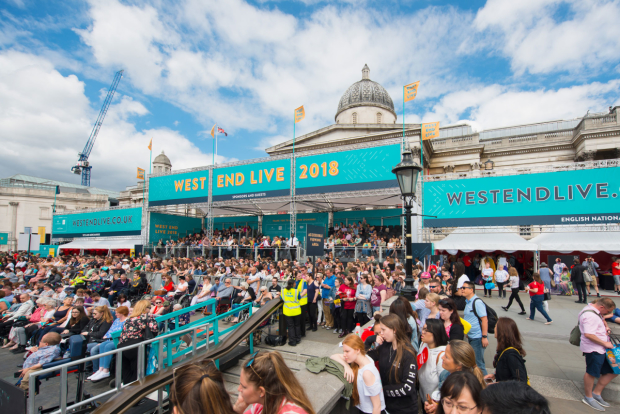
13, 242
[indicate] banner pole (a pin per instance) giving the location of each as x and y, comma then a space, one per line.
404, 118
213, 162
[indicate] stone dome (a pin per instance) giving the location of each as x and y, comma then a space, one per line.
366, 93
162, 159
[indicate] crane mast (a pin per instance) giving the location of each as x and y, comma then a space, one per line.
83, 166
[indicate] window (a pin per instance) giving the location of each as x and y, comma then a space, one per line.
378, 117
355, 117
44, 213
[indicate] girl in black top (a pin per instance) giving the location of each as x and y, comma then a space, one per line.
508, 361
77, 323
449, 315
397, 366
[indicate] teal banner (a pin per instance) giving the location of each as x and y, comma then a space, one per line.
184, 188
170, 227
355, 170
251, 181
122, 222
4, 238
564, 197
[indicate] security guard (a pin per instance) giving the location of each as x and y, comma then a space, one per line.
292, 312
302, 293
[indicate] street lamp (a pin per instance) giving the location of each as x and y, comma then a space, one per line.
407, 172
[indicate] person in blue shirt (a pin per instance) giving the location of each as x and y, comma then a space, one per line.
326, 289
479, 324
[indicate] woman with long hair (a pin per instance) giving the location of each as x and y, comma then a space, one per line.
97, 327
397, 365
363, 308
451, 319
537, 296
360, 370
347, 295
140, 325
460, 393
77, 322
508, 361
199, 389
432, 304
101, 367
430, 367
460, 356
402, 308
268, 386
514, 288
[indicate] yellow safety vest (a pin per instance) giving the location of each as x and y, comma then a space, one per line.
303, 299
291, 303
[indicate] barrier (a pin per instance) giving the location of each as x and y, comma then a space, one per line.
223, 251
168, 353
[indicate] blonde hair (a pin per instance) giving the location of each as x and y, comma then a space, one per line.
141, 308
433, 297
463, 354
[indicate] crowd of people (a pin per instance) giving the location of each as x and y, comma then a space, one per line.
422, 353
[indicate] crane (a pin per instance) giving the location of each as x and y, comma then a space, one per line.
83, 166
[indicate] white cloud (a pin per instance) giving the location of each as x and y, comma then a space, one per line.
248, 67
496, 106
528, 33
45, 120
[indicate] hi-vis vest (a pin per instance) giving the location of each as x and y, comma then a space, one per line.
291, 303
303, 300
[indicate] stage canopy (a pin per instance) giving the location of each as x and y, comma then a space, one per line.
87, 244
468, 239
590, 240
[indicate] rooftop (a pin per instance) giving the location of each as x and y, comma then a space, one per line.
27, 181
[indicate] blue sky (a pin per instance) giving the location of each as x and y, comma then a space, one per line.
247, 65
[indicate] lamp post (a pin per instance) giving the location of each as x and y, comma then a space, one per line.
407, 172
488, 165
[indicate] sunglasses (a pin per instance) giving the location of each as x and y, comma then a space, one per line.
158, 302
465, 287
433, 287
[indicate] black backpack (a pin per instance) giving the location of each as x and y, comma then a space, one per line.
491, 316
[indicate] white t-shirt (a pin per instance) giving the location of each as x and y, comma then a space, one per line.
514, 282
501, 276
462, 280
365, 391
487, 272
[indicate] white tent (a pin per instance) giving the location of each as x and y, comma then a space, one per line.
468, 239
113, 244
572, 239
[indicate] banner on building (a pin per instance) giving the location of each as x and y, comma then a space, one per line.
140, 174
171, 227
411, 91
121, 222
252, 181
4, 238
183, 188
355, 170
563, 197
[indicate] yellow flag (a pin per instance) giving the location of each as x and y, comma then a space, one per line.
411, 91
213, 131
299, 114
430, 130
151, 145
140, 175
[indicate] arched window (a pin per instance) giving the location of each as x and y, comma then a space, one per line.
378, 117
355, 117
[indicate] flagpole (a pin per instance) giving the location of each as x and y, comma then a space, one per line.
213, 163
403, 117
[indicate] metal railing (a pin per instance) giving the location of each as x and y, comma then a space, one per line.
354, 253
225, 251
168, 353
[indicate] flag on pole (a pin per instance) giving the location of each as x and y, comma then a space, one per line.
299, 114
411, 91
221, 131
57, 189
151, 145
430, 130
140, 175
213, 131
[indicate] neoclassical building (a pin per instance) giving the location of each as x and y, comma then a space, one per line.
366, 113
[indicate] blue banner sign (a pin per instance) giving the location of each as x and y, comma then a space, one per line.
251, 181
184, 188
355, 170
122, 222
564, 197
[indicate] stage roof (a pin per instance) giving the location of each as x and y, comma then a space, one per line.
469, 239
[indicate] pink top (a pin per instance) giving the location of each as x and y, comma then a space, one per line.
287, 407
592, 323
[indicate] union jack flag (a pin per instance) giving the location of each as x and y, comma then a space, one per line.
221, 131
